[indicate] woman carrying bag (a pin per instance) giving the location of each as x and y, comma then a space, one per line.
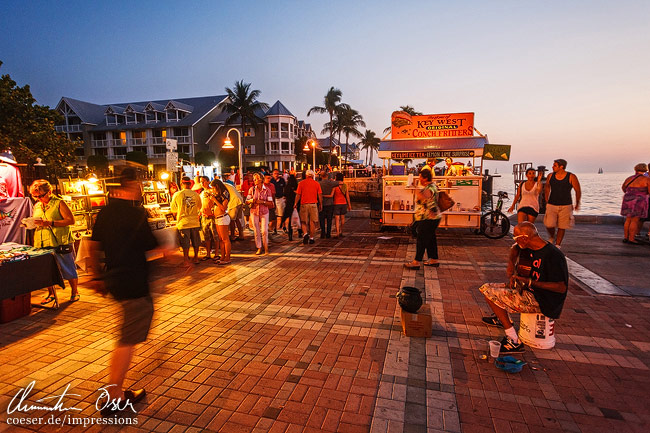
341, 204
427, 215
53, 219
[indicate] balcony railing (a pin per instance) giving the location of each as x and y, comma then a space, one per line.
136, 141
276, 135
119, 156
99, 143
182, 139
68, 128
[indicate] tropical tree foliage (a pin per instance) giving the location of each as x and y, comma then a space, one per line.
242, 105
370, 143
28, 129
204, 158
350, 120
410, 110
330, 102
137, 156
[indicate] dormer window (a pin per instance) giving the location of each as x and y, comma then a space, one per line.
172, 116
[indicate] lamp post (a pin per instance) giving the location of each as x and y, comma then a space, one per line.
306, 149
228, 145
337, 154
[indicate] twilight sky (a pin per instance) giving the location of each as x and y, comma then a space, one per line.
553, 79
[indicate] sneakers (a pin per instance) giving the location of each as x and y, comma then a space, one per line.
305, 239
492, 320
311, 241
508, 346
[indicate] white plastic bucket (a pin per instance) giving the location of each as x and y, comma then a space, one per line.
537, 330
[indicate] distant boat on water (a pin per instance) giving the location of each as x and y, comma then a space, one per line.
600, 170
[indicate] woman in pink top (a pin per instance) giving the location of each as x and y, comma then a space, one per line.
341, 204
528, 192
260, 199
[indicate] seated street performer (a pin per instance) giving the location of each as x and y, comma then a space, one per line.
543, 290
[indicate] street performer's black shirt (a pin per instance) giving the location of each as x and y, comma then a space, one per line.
549, 265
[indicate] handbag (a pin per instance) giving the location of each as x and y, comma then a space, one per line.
445, 202
60, 249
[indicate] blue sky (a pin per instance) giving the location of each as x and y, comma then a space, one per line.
553, 79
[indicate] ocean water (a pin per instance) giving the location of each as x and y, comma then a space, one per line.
601, 193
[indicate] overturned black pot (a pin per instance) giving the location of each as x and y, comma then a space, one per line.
410, 299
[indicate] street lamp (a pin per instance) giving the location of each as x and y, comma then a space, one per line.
227, 144
335, 153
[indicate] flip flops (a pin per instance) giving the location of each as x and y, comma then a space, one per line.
74, 298
47, 300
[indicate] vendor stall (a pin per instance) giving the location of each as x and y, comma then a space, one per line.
85, 198
24, 269
434, 137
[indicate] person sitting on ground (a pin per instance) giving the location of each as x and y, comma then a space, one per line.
186, 204
543, 291
528, 192
635, 202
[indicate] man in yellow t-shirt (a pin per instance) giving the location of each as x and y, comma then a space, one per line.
187, 205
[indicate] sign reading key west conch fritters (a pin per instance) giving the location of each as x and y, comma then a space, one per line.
403, 125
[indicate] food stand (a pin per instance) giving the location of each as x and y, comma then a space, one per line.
435, 136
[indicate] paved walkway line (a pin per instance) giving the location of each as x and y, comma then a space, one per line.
592, 280
417, 386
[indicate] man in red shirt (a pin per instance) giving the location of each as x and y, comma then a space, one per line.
310, 196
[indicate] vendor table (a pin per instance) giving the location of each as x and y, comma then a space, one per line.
167, 240
35, 270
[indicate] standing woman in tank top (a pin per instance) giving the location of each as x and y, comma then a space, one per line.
528, 193
53, 219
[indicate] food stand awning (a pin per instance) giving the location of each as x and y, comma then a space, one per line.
460, 147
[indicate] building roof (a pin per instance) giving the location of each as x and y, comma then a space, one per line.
95, 114
88, 112
278, 109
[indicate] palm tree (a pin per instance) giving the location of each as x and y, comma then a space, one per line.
369, 142
242, 104
350, 120
408, 109
330, 102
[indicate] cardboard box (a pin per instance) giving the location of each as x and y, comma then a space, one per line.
419, 324
15, 308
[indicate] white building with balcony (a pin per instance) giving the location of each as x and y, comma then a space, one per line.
271, 143
113, 130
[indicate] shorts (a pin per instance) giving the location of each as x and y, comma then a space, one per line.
309, 212
280, 204
559, 216
340, 209
509, 299
66, 265
136, 322
187, 236
223, 220
528, 211
247, 210
209, 229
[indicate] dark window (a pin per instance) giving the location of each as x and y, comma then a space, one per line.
119, 151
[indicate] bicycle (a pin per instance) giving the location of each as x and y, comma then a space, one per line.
495, 224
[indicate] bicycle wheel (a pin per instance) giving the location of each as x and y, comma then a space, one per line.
495, 224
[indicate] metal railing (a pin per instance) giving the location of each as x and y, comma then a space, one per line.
119, 157
136, 141
99, 143
68, 128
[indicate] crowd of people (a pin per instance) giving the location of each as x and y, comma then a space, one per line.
216, 212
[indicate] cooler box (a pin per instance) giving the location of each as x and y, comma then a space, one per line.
15, 308
537, 330
419, 324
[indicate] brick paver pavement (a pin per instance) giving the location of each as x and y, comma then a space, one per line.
308, 339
